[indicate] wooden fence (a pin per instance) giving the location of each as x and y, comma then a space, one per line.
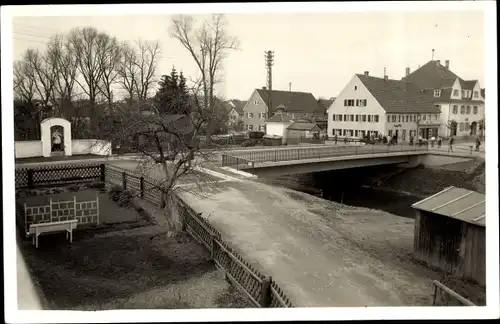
58, 174
444, 296
260, 290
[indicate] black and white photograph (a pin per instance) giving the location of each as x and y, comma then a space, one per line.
203, 161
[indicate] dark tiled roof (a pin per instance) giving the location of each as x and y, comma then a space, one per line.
279, 118
238, 105
447, 83
303, 126
430, 75
326, 103
483, 93
397, 96
467, 85
293, 101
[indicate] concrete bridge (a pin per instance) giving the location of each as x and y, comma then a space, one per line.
280, 161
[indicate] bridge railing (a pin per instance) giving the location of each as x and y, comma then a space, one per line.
304, 153
237, 163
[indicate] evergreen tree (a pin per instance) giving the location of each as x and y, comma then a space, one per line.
172, 96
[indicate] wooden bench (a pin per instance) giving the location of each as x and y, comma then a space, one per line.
68, 226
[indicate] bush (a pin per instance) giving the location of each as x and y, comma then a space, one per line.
115, 192
125, 199
256, 134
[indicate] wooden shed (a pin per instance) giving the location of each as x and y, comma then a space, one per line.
450, 233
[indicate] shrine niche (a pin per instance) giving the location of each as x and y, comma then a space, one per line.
56, 137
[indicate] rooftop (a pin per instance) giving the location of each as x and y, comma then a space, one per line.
293, 101
397, 96
279, 118
303, 126
462, 204
430, 75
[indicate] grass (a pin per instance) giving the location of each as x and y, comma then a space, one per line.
128, 270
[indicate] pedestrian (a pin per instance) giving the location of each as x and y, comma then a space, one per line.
335, 138
432, 141
452, 139
439, 141
345, 140
478, 144
411, 140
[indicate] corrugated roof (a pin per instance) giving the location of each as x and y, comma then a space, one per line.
397, 96
462, 204
303, 126
292, 100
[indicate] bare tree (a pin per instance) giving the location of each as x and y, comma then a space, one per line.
44, 74
61, 57
108, 57
24, 85
128, 71
208, 45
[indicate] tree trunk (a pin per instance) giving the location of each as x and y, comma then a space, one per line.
173, 214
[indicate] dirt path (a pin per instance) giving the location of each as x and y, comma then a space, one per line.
320, 256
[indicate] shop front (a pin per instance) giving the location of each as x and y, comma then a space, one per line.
428, 129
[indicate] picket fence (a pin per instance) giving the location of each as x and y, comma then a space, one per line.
260, 290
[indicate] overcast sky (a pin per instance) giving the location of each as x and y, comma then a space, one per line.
317, 53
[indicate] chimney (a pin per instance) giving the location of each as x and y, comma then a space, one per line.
367, 73
407, 73
386, 77
447, 64
264, 88
438, 62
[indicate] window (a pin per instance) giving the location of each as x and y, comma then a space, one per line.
474, 110
334, 117
349, 102
467, 126
361, 103
340, 117
250, 115
364, 118
355, 88
407, 118
344, 132
357, 118
403, 135
423, 117
388, 118
334, 131
476, 94
399, 118
346, 118
356, 133
437, 93
352, 118
256, 102
393, 118
369, 118
468, 110
463, 93
455, 93
455, 109
462, 110
376, 118
436, 117
250, 127
461, 127
390, 132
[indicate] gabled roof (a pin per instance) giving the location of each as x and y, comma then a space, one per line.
462, 204
397, 96
430, 75
447, 83
303, 126
467, 85
238, 105
292, 100
279, 118
326, 103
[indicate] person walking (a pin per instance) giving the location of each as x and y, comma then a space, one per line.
411, 140
439, 141
335, 138
345, 140
452, 139
478, 144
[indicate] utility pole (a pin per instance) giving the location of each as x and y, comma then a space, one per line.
269, 58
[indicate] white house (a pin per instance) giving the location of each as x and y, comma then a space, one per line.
372, 106
459, 100
278, 124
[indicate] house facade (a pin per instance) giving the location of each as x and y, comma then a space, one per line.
297, 105
235, 112
461, 102
372, 106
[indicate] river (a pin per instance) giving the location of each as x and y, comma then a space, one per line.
351, 187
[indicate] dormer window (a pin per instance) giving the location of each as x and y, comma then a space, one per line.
437, 93
476, 94
455, 93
